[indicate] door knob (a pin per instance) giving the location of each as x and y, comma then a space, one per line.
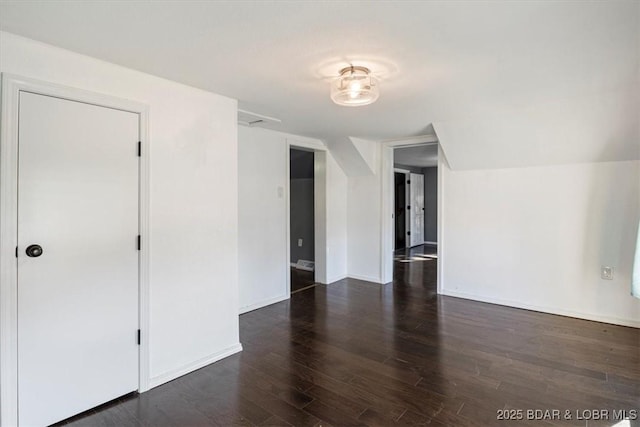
34, 251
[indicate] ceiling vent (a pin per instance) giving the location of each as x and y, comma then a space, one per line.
247, 118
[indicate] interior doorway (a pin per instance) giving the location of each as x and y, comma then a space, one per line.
400, 208
418, 165
302, 218
409, 208
415, 203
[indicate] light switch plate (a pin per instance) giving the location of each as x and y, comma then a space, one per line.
606, 272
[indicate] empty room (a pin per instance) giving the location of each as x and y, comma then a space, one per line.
320, 213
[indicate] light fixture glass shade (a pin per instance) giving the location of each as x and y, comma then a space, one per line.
355, 86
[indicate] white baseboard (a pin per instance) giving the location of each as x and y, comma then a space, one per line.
431, 243
335, 279
549, 310
263, 303
375, 280
293, 264
190, 367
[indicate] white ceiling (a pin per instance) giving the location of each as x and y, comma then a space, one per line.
422, 156
495, 70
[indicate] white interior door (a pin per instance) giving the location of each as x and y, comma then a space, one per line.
78, 300
416, 213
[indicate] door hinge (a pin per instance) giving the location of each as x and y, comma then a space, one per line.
139, 148
139, 244
16, 252
408, 181
409, 207
139, 337
408, 233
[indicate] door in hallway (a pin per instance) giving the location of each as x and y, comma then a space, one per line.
400, 210
416, 213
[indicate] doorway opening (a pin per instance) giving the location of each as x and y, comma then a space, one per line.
302, 218
415, 204
400, 187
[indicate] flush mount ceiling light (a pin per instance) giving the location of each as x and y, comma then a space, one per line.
355, 86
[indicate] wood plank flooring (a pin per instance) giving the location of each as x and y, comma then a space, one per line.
358, 354
301, 279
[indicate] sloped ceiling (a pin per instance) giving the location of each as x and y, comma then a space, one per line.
355, 157
504, 84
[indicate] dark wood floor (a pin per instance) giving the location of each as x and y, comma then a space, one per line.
354, 353
301, 279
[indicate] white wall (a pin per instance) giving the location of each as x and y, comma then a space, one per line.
536, 237
263, 159
336, 214
193, 272
364, 202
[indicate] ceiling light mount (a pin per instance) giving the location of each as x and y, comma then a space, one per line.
355, 87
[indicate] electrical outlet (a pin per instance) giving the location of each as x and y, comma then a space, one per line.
606, 272
299, 243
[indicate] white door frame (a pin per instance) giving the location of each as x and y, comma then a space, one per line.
388, 222
12, 85
319, 206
